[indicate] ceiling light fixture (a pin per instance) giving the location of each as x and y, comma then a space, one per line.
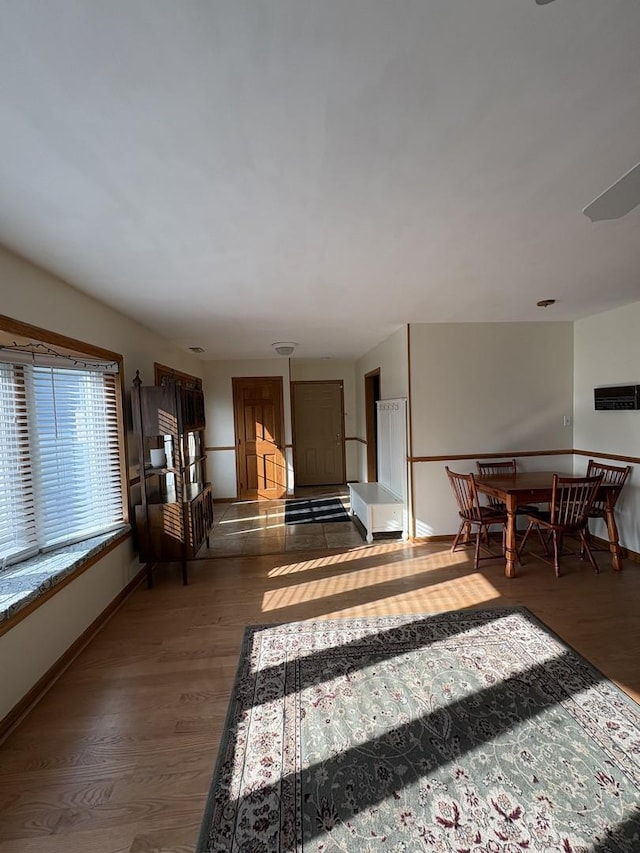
544, 303
284, 347
196, 349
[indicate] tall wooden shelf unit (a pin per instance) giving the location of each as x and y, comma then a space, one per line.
176, 513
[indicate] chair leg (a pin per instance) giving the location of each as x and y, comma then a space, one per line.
457, 539
585, 537
584, 547
476, 562
556, 558
468, 530
524, 539
545, 543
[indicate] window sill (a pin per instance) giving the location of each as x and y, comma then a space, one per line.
23, 586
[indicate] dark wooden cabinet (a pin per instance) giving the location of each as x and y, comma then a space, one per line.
175, 515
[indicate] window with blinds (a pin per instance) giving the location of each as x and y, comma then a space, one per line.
60, 475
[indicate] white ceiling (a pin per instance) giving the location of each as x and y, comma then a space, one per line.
236, 172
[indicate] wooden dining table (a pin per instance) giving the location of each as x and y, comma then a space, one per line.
529, 487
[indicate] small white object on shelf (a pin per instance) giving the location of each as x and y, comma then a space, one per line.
158, 458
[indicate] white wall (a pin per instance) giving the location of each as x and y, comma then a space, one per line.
34, 296
391, 356
607, 352
482, 388
31, 295
490, 387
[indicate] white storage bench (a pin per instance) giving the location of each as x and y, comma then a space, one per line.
379, 510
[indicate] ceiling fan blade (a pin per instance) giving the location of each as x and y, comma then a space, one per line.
618, 199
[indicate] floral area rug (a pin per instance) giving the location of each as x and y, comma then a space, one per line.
474, 731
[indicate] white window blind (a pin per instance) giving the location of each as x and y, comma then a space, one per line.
18, 537
61, 425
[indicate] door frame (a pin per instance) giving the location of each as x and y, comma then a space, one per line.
292, 385
236, 382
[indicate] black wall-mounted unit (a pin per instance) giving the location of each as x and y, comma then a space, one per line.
617, 398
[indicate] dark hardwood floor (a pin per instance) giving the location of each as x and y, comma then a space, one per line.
118, 756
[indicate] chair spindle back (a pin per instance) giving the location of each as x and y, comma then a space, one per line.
611, 474
496, 469
571, 500
464, 490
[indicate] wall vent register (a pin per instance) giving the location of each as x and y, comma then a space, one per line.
617, 398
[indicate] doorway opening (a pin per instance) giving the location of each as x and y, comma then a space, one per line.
371, 397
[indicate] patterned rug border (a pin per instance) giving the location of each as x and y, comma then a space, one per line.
478, 614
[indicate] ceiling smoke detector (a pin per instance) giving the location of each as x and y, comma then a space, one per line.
284, 347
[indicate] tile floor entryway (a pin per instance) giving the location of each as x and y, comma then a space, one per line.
257, 527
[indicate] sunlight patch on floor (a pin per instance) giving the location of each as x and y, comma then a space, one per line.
245, 519
245, 530
439, 558
473, 587
457, 594
465, 591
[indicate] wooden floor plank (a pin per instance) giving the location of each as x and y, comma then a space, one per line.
118, 756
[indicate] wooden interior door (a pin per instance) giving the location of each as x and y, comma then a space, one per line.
318, 432
259, 426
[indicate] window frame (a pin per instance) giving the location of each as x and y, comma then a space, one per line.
10, 326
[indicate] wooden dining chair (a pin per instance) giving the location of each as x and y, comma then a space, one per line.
569, 507
473, 514
612, 475
506, 468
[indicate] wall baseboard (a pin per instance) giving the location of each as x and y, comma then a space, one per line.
19, 711
446, 537
627, 553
